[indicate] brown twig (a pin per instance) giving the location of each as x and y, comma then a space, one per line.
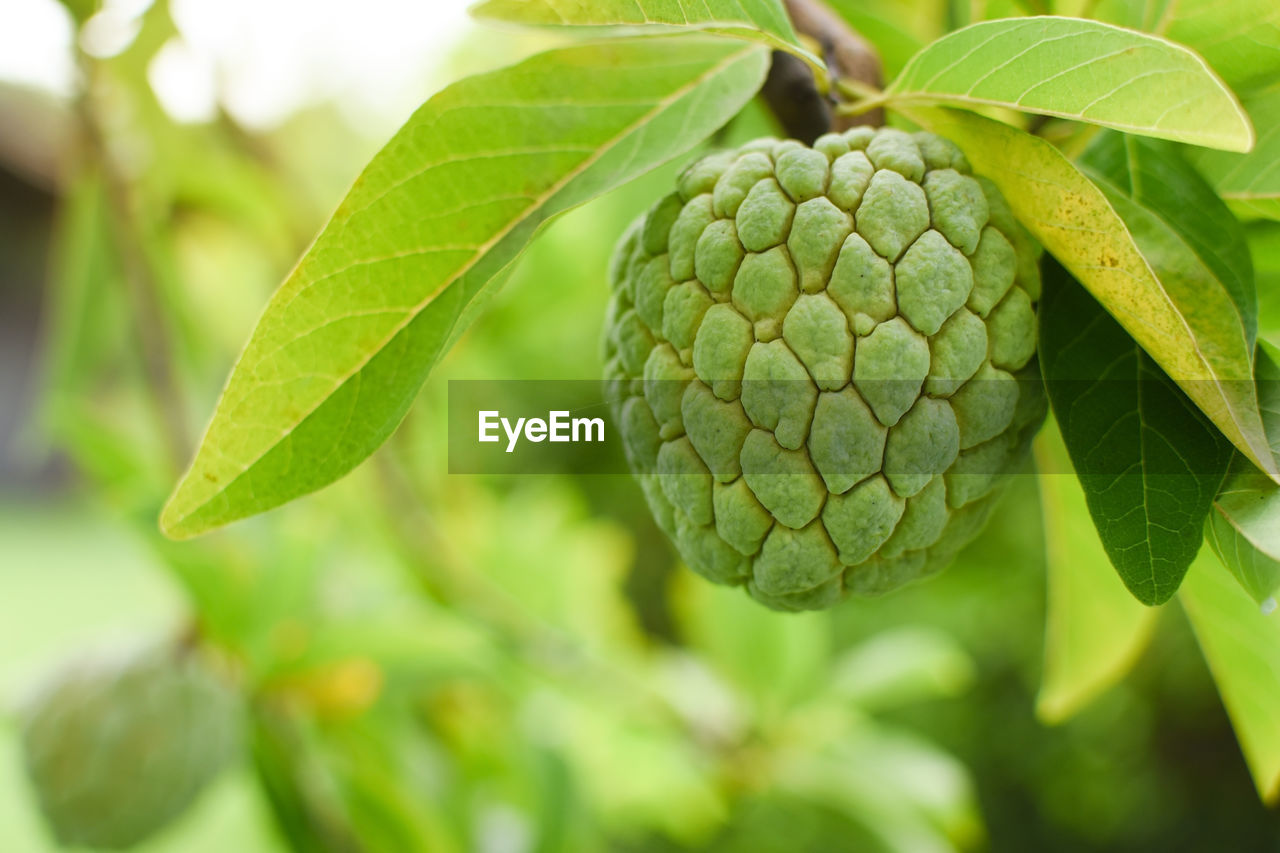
794, 96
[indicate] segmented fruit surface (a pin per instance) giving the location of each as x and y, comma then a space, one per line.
821, 360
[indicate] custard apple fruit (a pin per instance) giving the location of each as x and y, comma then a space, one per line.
821, 361
118, 748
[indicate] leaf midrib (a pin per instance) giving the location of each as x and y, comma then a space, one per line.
1142, 462
1134, 194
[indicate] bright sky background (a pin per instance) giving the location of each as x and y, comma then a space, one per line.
263, 59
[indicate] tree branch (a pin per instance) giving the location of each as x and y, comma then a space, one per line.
790, 90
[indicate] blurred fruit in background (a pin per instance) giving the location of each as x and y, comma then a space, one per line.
117, 747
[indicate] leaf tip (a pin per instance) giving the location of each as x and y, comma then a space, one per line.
1146, 591
171, 523
175, 522
1053, 710
1240, 143
1258, 451
1270, 466
1269, 789
480, 10
1250, 132
1155, 596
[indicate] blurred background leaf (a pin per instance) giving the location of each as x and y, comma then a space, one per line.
1240, 641
1094, 629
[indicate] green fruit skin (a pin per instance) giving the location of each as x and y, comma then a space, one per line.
117, 749
822, 361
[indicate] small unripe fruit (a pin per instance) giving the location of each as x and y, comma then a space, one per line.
824, 360
116, 749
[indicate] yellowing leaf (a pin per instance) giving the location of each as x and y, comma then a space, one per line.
1150, 463
1200, 346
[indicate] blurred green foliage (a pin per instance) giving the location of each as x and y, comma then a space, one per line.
435, 662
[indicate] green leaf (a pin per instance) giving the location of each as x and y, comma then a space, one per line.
453, 198
1264, 246
668, 786
1244, 530
1081, 70
1149, 462
1183, 229
1094, 629
373, 761
910, 794
1198, 342
1257, 573
764, 21
774, 663
1242, 647
902, 666
299, 787
81, 10
79, 317
1239, 38
1250, 182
